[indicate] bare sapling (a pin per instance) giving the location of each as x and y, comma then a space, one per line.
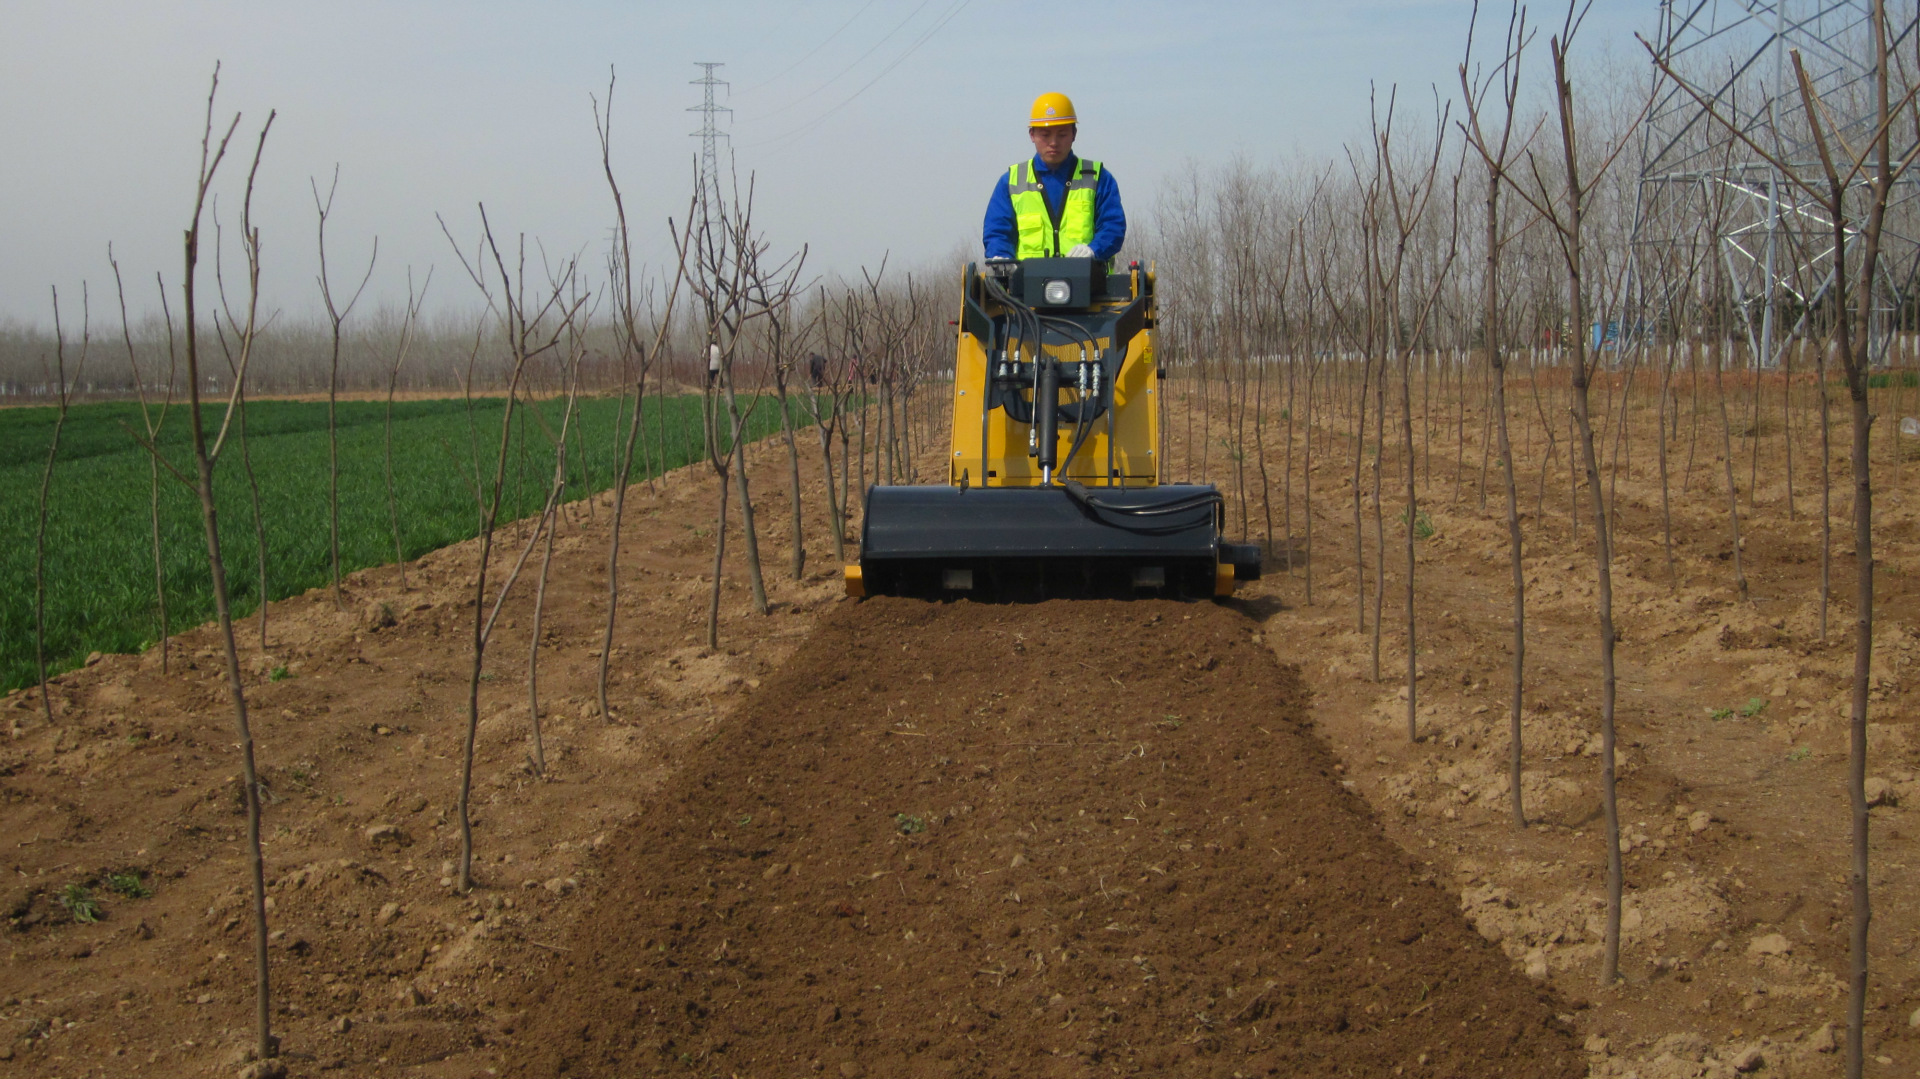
152, 419
1717, 348
724, 256
556, 491
235, 336
637, 357
774, 296
415, 298
1564, 207
1359, 458
715, 276
64, 386
206, 454
1407, 207
747, 251
1665, 432
827, 423
1621, 454
1493, 153
336, 318
891, 323
1826, 487
529, 333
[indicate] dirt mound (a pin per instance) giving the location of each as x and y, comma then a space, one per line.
1025, 840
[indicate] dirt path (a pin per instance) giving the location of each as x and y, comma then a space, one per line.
1067, 839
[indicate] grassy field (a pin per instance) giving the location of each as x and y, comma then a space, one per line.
99, 558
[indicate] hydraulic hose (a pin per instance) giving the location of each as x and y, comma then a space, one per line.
1079, 493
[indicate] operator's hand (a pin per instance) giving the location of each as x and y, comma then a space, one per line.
1001, 268
1080, 251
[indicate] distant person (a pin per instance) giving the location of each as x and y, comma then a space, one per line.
1054, 203
713, 364
817, 370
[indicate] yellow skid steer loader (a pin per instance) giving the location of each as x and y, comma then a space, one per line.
1054, 476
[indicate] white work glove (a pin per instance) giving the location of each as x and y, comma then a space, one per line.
1080, 251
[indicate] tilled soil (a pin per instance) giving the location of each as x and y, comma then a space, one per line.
1058, 839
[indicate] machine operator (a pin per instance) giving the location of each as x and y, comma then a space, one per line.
1055, 203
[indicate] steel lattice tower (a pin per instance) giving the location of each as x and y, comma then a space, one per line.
709, 133
1705, 194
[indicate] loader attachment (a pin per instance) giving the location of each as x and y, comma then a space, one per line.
1045, 542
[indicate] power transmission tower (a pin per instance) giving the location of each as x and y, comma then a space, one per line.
709, 134
1704, 193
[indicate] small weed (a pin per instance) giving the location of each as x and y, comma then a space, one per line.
137, 738
1799, 753
128, 884
744, 821
1753, 707
278, 674
1720, 713
1171, 723
80, 903
1422, 525
908, 825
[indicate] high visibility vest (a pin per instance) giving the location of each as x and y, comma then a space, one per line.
1041, 234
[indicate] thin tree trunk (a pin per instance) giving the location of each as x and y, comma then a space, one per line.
756, 582
1413, 519
393, 502
834, 515
1726, 453
153, 427
1666, 493
719, 560
533, 645
793, 487
259, 525
46, 489
1306, 480
1359, 530
1379, 516
1826, 496
635, 419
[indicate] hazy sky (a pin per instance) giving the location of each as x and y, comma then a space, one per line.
873, 127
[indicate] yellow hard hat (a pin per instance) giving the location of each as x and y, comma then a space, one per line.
1052, 110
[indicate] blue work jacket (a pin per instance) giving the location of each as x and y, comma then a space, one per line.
1001, 236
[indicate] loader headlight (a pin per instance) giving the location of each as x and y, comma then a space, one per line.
1058, 292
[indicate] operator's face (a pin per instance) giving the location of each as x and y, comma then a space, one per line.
1053, 144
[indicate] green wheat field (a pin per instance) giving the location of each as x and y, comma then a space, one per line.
99, 553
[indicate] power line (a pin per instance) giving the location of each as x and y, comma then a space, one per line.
911, 15
770, 80
938, 25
